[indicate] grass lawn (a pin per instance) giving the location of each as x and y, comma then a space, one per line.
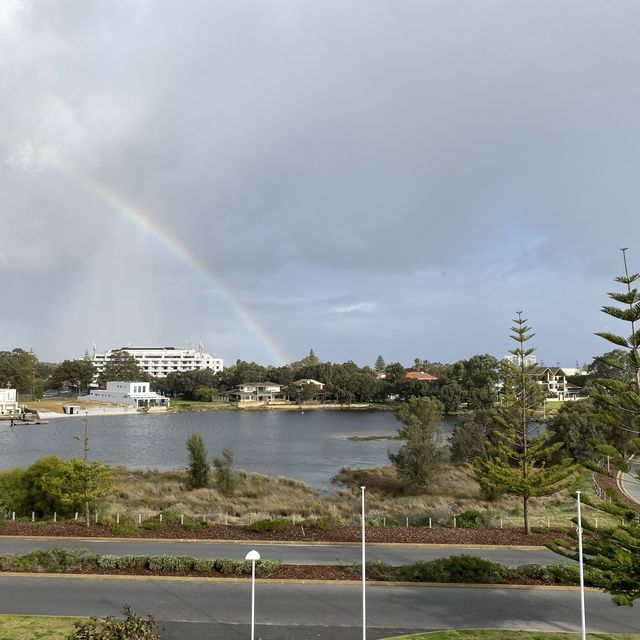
34, 627
504, 634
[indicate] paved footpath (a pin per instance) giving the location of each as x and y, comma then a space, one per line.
190, 609
288, 553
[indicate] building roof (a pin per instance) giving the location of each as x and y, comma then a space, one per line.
420, 375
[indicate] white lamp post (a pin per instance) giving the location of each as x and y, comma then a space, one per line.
582, 614
364, 576
253, 556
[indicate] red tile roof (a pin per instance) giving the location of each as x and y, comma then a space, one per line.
420, 375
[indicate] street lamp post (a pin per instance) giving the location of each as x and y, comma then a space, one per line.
580, 560
364, 575
253, 556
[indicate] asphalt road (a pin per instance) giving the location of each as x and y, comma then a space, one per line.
630, 480
291, 554
197, 609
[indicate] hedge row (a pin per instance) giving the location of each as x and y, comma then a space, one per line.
70, 560
474, 570
457, 569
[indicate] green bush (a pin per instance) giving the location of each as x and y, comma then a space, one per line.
124, 529
133, 562
264, 568
203, 565
471, 519
469, 569
108, 562
378, 570
531, 572
133, 627
270, 524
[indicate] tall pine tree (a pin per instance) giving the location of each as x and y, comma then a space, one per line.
614, 553
520, 462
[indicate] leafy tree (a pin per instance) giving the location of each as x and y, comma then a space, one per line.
18, 370
379, 365
52, 484
204, 394
450, 393
132, 627
121, 366
420, 458
478, 376
576, 425
82, 484
13, 494
470, 436
198, 466
520, 463
75, 374
186, 383
225, 476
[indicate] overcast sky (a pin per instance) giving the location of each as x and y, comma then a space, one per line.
359, 177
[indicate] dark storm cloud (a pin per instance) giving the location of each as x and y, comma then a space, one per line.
354, 172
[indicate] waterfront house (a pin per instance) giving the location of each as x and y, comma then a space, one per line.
256, 392
131, 393
8, 402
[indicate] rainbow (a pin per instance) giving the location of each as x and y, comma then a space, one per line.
141, 218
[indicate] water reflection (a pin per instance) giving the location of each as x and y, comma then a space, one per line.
310, 447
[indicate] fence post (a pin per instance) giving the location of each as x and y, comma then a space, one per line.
501, 523
182, 519
596, 523
407, 519
55, 517
454, 522
384, 521
139, 518
117, 518
33, 516
76, 518
429, 522
160, 518
13, 516
96, 518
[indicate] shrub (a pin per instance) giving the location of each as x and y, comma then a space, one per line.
133, 562
264, 568
378, 570
531, 572
107, 562
225, 476
462, 568
133, 627
124, 529
269, 524
471, 519
203, 565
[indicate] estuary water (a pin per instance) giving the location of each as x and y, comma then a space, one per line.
310, 446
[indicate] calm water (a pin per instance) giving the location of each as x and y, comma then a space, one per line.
310, 447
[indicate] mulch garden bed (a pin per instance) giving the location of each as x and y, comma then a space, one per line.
410, 535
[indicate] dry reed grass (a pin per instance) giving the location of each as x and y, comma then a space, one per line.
258, 496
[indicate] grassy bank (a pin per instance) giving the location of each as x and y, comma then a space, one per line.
35, 627
257, 496
506, 634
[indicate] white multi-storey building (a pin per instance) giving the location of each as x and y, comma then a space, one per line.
161, 361
8, 401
